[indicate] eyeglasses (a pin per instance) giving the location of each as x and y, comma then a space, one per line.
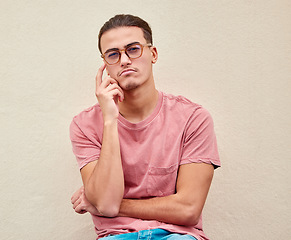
133, 51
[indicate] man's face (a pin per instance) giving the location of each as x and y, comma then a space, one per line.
129, 73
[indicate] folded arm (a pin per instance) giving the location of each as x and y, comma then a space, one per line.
182, 208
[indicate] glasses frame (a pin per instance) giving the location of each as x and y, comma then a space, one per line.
124, 50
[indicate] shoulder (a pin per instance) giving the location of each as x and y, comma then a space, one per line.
88, 113
181, 104
184, 110
88, 118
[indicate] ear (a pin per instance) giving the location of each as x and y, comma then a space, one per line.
154, 54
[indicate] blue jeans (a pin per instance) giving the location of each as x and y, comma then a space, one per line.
151, 234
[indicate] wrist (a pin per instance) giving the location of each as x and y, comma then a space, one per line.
110, 122
122, 208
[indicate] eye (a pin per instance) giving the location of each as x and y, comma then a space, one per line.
133, 49
113, 54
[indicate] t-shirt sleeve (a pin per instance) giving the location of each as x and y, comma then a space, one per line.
200, 144
85, 147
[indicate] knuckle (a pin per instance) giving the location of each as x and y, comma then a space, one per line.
98, 93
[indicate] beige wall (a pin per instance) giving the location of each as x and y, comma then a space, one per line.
231, 56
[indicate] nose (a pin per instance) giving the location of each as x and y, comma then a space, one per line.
124, 58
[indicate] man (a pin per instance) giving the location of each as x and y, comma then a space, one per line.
147, 158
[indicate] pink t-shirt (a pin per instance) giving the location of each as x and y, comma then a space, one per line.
177, 132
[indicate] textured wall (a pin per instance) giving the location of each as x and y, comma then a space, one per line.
233, 57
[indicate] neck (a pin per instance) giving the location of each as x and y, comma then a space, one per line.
139, 103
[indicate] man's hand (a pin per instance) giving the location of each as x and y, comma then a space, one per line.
108, 93
80, 203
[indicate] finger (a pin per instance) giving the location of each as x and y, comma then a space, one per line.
77, 194
116, 93
106, 81
99, 75
77, 203
112, 86
108, 85
79, 209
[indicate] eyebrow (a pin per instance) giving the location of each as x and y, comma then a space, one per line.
117, 49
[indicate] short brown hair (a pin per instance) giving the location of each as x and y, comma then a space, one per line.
126, 20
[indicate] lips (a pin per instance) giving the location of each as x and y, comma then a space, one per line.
127, 71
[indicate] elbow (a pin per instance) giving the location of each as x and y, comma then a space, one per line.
193, 221
106, 208
108, 211
191, 217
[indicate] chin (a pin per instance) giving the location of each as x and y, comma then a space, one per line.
130, 86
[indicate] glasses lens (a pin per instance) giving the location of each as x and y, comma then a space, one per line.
134, 51
112, 57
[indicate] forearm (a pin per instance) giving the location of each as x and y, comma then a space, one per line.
105, 187
169, 209
184, 207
